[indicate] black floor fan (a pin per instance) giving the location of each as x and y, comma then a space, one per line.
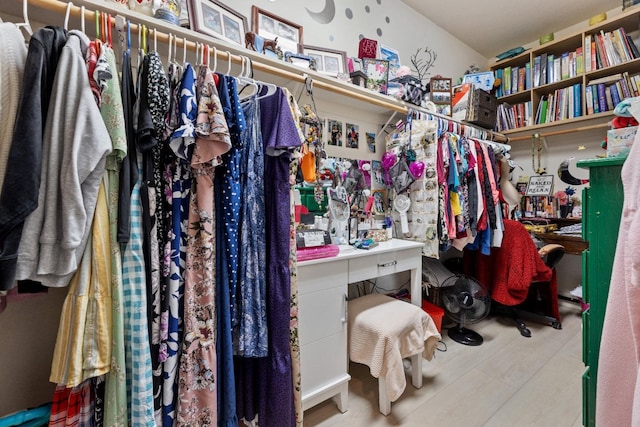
465, 301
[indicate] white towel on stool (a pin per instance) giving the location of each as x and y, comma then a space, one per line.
383, 331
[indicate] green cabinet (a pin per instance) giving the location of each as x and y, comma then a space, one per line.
602, 208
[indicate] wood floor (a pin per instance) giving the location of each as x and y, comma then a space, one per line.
508, 381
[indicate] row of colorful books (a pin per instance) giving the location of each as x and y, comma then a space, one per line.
549, 68
605, 93
513, 116
606, 49
562, 104
513, 79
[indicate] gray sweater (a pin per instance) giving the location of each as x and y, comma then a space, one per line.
75, 146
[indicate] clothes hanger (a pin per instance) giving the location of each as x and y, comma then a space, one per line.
271, 88
25, 16
184, 52
108, 31
245, 80
228, 73
82, 26
66, 16
215, 59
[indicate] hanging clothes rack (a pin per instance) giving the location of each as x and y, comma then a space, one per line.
190, 40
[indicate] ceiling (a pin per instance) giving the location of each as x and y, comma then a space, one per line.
501, 24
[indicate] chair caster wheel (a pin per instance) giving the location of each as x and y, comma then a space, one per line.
525, 332
556, 325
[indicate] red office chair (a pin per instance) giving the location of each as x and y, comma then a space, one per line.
520, 279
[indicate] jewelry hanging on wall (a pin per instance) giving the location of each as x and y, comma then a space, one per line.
536, 153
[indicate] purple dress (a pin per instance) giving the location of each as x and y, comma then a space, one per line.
280, 137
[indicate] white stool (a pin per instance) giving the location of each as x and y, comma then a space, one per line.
383, 331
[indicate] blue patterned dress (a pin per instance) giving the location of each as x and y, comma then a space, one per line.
177, 177
250, 335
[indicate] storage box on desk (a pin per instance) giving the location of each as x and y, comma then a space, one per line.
619, 141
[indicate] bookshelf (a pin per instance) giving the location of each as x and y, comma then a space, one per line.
574, 81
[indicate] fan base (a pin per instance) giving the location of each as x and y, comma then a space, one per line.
465, 336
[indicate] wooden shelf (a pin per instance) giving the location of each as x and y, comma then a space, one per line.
629, 19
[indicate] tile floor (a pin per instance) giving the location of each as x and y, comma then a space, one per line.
508, 381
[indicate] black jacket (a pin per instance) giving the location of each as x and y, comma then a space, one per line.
19, 195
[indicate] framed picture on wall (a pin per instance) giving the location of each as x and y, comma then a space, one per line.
270, 26
377, 71
214, 18
328, 61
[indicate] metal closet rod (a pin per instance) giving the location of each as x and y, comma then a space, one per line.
61, 7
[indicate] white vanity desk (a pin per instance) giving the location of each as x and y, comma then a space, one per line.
322, 313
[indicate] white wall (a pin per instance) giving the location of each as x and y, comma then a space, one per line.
406, 30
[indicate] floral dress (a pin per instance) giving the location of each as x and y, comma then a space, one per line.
197, 385
178, 179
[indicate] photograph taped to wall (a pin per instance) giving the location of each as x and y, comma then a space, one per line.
214, 18
335, 132
371, 142
353, 135
272, 27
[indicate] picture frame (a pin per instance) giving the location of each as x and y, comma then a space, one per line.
270, 26
377, 72
328, 61
393, 56
440, 94
300, 60
218, 20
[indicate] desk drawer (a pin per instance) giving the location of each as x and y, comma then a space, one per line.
317, 277
369, 267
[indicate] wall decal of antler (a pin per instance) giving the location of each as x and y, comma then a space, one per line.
422, 61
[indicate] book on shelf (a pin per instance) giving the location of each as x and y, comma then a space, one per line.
557, 70
536, 71
564, 66
587, 52
579, 61
632, 47
601, 56
608, 98
577, 99
498, 75
543, 69
606, 79
602, 97
596, 101
589, 99
614, 94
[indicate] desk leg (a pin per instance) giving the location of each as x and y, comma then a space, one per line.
416, 286
342, 399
